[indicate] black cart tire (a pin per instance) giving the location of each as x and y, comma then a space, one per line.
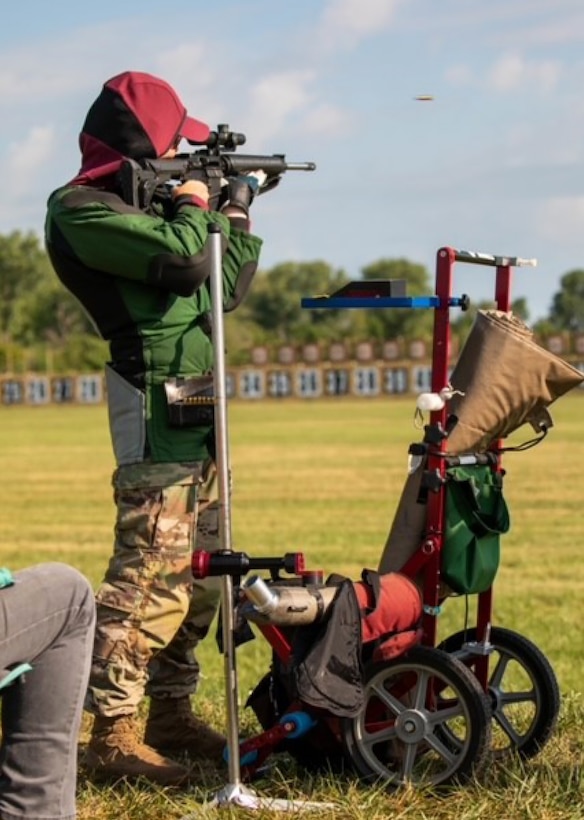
426, 721
522, 687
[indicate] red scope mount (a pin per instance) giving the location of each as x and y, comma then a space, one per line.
204, 563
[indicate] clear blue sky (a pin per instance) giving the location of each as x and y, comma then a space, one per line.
493, 164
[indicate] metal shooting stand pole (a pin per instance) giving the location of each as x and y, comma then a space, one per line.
233, 789
234, 792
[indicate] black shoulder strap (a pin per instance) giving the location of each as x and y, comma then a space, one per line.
371, 578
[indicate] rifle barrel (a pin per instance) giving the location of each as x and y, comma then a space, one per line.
274, 164
301, 166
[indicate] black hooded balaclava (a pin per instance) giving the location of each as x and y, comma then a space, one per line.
136, 116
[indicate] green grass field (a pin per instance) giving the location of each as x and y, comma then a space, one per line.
324, 478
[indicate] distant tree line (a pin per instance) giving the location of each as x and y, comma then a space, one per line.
44, 329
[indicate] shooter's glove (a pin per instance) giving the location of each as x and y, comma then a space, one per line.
239, 192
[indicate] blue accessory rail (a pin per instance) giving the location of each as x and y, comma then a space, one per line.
336, 302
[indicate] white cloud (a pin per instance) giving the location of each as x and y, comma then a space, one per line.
561, 28
547, 148
512, 72
326, 120
275, 99
193, 71
83, 59
560, 219
23, 78
345, 23
507, 73
531, 23
24, 170
63, 66
24, 159
459, 75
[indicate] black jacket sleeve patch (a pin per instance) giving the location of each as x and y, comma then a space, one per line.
179, 274
246, 274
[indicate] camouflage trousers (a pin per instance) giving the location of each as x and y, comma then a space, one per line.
151, 613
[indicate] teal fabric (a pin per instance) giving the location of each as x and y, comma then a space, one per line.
476, 516
6, 580
14, 674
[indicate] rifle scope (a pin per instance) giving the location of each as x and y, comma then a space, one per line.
224, 139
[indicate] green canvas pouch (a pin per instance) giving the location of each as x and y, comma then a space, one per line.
476, 515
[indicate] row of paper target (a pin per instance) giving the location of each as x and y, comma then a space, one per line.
244, 383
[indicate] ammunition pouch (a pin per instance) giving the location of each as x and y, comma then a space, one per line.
190, 401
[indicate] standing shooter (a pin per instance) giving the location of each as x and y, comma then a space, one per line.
143, 277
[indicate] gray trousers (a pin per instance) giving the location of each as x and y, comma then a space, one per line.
47, 619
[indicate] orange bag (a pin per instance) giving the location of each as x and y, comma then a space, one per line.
391, 611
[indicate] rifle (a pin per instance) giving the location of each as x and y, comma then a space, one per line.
147, 181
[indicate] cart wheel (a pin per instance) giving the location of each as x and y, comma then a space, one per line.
425, 721
524, 692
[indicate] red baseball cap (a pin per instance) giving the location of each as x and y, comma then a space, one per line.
158, 108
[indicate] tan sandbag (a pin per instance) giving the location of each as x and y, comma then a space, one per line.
507, 380
407, 529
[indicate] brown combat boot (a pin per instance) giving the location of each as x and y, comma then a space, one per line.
172, 727
115, 752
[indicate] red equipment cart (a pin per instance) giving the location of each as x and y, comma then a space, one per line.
427, 713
